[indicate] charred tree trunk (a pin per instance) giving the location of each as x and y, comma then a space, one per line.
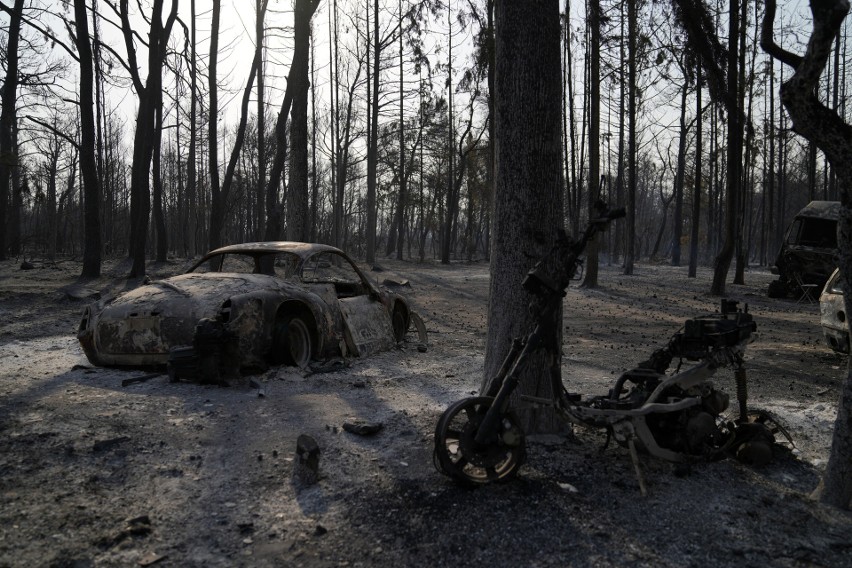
88, 160
162, 246
143, 140
696, 191
261, 118
528, 196
735, 151
191, 172
217, 207
824, 128
304, 11
630, 250
297, 190
373, 142
397, 230
8, 119
679, 178
591, 278
230, 170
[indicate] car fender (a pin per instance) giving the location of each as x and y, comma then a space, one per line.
251, 317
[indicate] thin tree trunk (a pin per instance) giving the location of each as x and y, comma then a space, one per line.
88, 160
157, 180
297, 190
679, 178
8, 119
303, 11
314, 227
143, 141
395, 237
734, 154
260, 7
373, 142
227, 182
696, 192
630, 252
591, 278
191, 172
217, 208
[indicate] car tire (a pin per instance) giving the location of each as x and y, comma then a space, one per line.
292, 343
843, 344
400, 328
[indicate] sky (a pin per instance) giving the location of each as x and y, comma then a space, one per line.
237, 49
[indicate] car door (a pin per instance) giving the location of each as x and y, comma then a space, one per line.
366, 320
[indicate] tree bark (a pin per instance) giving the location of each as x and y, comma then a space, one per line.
696, 191
191, 171
397, 231
630, 249
679, 178
591, 278
8, 119
828, 131
297, 190
162, 246
373, 142
228, 180
261, 118
143, 139
528, 196
88, 160
303, 12
735, 151
217, 208
451, 202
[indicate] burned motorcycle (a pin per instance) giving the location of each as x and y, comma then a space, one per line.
677, 417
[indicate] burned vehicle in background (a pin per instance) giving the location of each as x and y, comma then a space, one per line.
832, 314
808, 254
245, 307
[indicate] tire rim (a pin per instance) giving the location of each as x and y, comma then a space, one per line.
299, 343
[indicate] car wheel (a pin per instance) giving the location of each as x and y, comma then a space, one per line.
399, 327
292, 342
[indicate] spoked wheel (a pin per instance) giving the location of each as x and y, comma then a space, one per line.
458, 455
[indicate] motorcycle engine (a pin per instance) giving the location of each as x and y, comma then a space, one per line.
694, 430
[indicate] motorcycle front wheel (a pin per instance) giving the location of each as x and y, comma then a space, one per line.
468, 463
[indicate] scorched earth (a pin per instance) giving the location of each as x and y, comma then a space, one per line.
94, 473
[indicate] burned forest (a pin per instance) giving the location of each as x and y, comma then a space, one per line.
423, 282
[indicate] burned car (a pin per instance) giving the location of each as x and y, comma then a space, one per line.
832, 314
809, 251
246, 307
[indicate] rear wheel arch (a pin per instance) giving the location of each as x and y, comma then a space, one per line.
298, 316
400, 320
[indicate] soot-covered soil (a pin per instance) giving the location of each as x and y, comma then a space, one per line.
179, 474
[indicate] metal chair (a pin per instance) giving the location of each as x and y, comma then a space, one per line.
808, 290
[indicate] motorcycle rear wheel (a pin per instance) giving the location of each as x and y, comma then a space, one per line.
459, 456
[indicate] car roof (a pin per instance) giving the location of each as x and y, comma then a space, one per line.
821, 210
303, 250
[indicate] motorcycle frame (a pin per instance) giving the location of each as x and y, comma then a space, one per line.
625, 424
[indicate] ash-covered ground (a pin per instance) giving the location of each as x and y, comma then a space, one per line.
93, 473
